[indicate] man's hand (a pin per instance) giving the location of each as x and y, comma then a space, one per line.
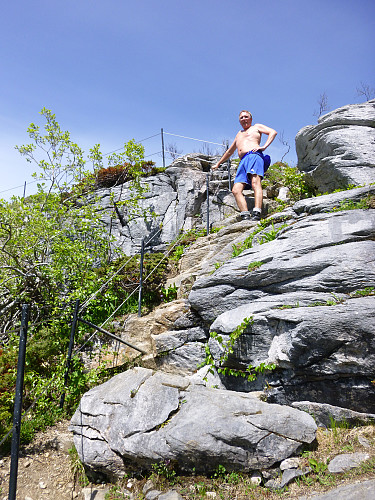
217, 165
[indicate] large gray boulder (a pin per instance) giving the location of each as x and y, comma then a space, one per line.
141, 417
340, 150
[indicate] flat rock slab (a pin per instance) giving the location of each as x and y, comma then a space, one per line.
358, 491
141, 417
346, 461
325, 414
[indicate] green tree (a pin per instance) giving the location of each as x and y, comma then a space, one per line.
52, 242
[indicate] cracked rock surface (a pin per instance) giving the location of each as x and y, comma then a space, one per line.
307, 316
140, 417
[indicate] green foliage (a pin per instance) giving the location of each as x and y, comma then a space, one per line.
77, 468
288, 306
184, 240
53, 250
364, 292
330, 302
317, 466
255, 265
339, 190
271, 234
219, 472
177, 253
217, 265
283, 175
265, 238
51, 243
228, 348
338, 424
169, 294
43, 383
165, 470
336, 300
363, 204
116, 493
125, 280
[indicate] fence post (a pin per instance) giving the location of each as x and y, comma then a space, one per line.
162, 147
208, 202
18, 404
141, 277
70, 350
228, 166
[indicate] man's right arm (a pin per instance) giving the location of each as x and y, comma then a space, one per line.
228, 153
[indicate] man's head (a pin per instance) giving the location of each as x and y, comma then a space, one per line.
245, 119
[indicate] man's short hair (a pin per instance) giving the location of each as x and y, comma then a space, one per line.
246, 111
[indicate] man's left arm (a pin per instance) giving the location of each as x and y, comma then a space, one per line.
263, 129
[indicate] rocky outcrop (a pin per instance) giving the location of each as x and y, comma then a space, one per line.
141, 417
340, 150
303, 295
307, 314
178, 197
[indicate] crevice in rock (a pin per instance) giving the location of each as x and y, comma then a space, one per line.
171, 414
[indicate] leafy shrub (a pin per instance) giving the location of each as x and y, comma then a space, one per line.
282, 174
250, 372
169, 294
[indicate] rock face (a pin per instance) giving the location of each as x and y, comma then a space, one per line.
141, 417
306, 315
340, 150
179, 199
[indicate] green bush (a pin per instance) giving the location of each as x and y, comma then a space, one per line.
282, 174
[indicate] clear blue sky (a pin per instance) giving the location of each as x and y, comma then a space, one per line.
112, 70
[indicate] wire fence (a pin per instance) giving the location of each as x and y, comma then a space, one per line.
171, 151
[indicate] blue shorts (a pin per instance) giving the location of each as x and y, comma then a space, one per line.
251, 163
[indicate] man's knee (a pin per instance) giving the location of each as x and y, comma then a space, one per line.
237, 188
256, 182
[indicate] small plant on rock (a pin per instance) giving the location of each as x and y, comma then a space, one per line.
255, 265
250, 372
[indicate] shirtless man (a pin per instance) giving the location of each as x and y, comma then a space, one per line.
251, 168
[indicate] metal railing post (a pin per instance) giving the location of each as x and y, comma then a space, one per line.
208, 202
70, 350
228, 166
141, 278
229, 177
162, 147
18, 404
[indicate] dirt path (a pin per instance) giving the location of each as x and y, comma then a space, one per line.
44, 470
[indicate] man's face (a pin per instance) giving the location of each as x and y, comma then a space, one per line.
245, 120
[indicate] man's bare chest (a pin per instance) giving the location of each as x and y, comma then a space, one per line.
250, 135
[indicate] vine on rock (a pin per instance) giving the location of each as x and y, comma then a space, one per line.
250, 372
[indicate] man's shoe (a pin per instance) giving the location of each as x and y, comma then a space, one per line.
255, 216
245, 216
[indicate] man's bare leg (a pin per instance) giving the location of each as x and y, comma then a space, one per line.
237, 191
258, 191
